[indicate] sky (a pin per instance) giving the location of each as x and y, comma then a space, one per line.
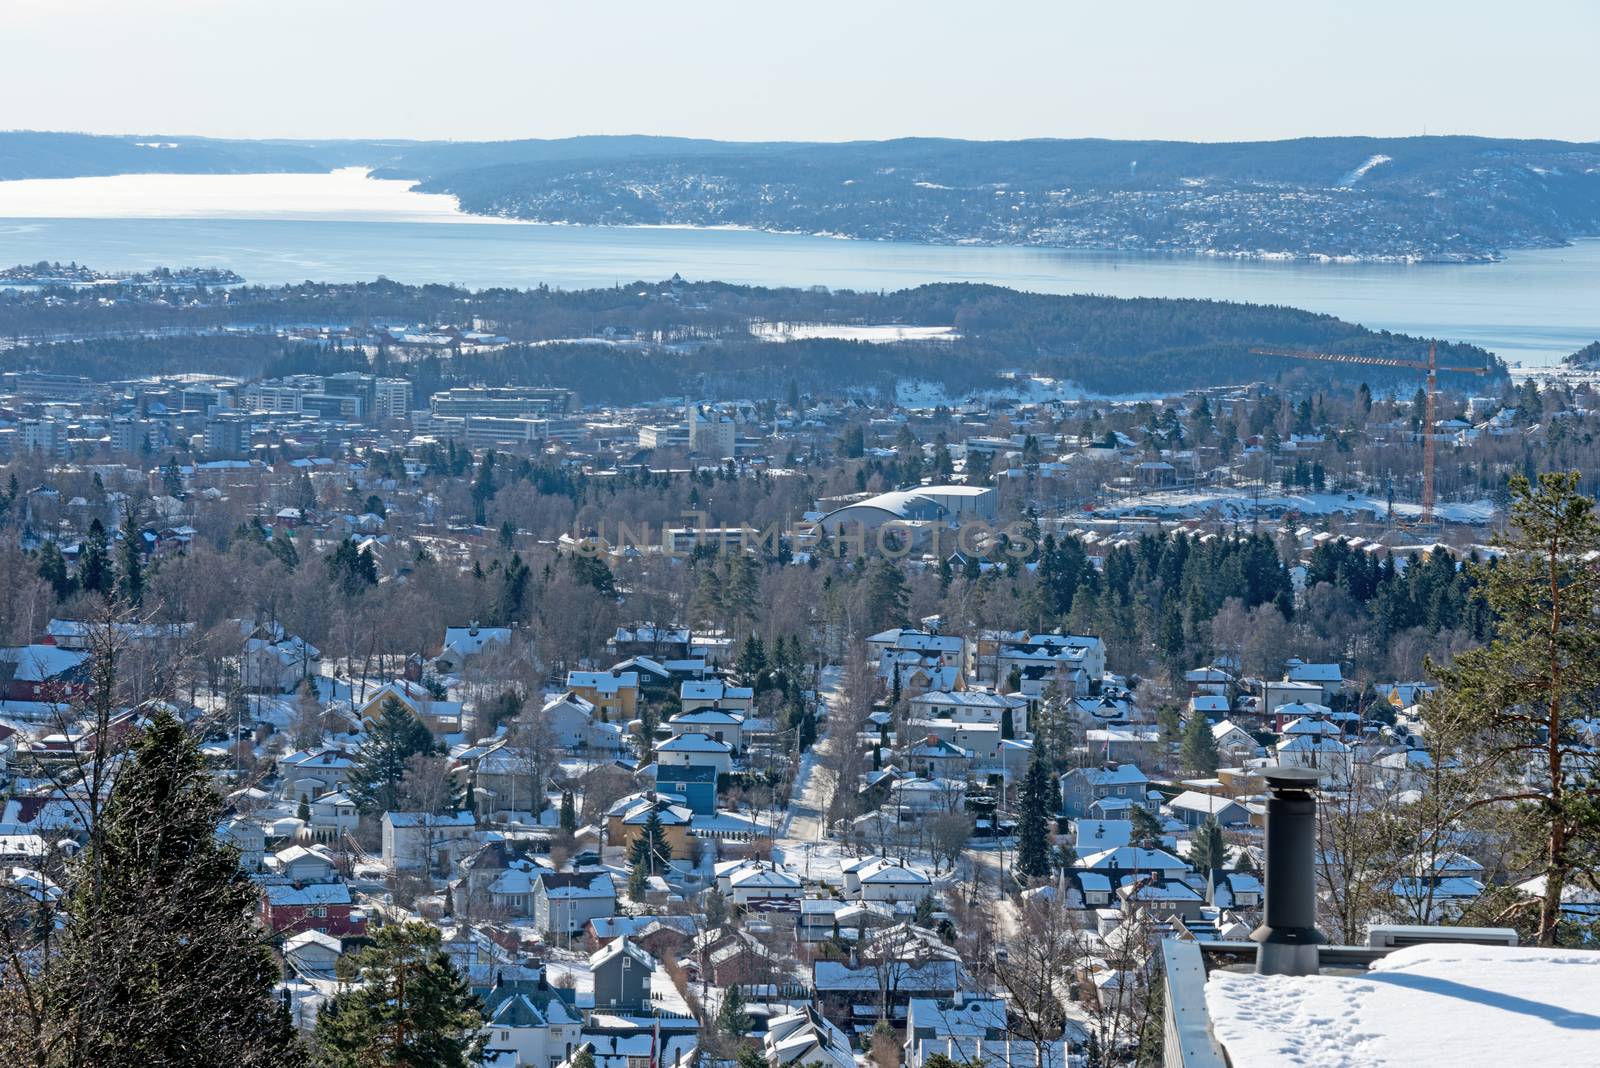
821, 70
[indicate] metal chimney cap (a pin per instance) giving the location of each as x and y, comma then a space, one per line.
1288, 778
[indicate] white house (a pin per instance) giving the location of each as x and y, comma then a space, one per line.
877, 879
714, 693
806, 1038
333, 815
720, 724
573, 725
298, 864
563, 902
763, 883
1319, 751
461, 644
425, 839
691, 750
312, 953
527, 1024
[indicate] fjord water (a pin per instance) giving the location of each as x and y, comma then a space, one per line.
1533, 308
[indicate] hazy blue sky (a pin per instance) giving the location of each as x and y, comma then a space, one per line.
826, 70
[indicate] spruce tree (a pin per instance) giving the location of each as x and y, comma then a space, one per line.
94, 561
569, 812
164, 962
638, 882
1208, 850
1146, 831
650, 846
380, 765
732, 1019
751, 666
130, 583
1033, 844
886, 596
53, 569
411, 1006
1198, 753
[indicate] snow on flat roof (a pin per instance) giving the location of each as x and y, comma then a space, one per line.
1430, 1004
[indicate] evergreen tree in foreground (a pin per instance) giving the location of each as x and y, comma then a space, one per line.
411, 1008
1033, 845
381, 759
1508, 713
164, 962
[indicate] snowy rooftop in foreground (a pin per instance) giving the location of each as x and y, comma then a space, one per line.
1432, 1004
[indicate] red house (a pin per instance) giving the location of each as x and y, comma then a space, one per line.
287, 908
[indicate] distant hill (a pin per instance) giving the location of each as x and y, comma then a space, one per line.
1419, 198
1587, 357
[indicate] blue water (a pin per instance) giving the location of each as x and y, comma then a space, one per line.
1533, 308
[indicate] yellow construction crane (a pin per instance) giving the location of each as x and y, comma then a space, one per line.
1433, 369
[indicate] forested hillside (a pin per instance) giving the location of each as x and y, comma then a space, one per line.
647, 340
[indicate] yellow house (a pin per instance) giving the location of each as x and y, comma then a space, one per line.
626, 819
441, 717
614, 694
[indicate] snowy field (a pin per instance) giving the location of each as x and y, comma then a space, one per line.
1463, 1006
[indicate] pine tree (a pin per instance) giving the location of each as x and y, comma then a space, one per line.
380, 763
1514, 704
94, 561
1198, 753
165, 962
412, 1007
1033, 844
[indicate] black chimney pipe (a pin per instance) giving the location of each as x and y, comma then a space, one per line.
1288, 933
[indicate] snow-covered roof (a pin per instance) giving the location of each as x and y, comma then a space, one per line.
1441, 1003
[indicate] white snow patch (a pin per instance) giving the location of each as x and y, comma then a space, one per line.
1243, 502
342, 194
1361, 172
1460, 1005
929, 185
878, 335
